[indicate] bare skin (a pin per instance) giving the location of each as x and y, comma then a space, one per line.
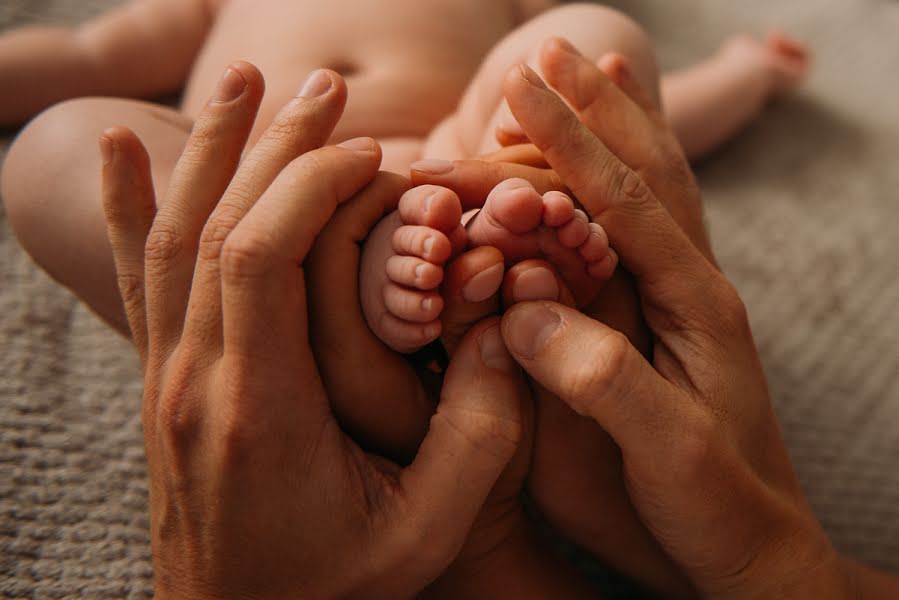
434, 92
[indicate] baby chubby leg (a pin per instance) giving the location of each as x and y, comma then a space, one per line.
594, 30
51, 189
710, 102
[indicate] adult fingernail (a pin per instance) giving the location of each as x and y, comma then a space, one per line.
566, 46
494, 352
484, 284
317, 84
230, 87
363, 144
432, 166
537, 283
529, 75
529, 328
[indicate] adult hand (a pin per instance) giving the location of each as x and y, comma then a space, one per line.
704, 461
254, 489
577, 466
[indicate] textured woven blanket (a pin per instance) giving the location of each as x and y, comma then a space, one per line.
804, 213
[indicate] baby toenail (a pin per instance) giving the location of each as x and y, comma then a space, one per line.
427, 304
484, 284
428, 245
538, 283
429, 201
419, 272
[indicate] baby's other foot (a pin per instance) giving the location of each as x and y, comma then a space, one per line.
783, 60
522, 224
403, 267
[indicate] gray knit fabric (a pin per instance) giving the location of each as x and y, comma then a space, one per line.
800, 207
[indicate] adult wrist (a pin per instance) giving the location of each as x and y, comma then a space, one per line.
803, 566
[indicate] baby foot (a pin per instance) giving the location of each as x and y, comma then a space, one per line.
403, 267
784, 60
522, 224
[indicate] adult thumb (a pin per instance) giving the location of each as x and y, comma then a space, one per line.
473, 436
596, 371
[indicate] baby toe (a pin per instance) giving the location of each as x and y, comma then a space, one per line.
406, 337
431, 206
412, 305
558, 209
514, 205
574, 233
604, 268
414, 272
423, 242
596, 247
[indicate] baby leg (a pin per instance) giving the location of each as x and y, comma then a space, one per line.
594, 30
51, 189
710, 102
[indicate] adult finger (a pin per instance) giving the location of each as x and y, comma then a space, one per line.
631, 125
522, 154
596, 371
129, 204
670, 272
618, 69
473, 180
388, 410
303, 125
470, 288
473, 436
203, 172
263, 286
535, 279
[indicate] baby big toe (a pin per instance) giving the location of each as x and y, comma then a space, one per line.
431, 206
515, 206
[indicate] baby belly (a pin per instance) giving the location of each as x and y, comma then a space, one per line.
395, 98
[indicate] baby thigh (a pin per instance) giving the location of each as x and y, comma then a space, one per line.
594, 30
51, 185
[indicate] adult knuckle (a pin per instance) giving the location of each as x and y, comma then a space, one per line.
131, 287
215, 233
177, 416
245, 255
696, 451
164, 243
237, 438
733, 314
487, 432
597, 375
628, 185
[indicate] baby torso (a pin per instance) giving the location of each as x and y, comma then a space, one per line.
406, 62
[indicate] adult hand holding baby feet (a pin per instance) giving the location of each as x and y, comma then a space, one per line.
407, 254
577, 467
704, 461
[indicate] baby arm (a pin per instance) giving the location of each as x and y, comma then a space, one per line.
144, 48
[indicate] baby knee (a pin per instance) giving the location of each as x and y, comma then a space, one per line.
597, 30
37, 174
